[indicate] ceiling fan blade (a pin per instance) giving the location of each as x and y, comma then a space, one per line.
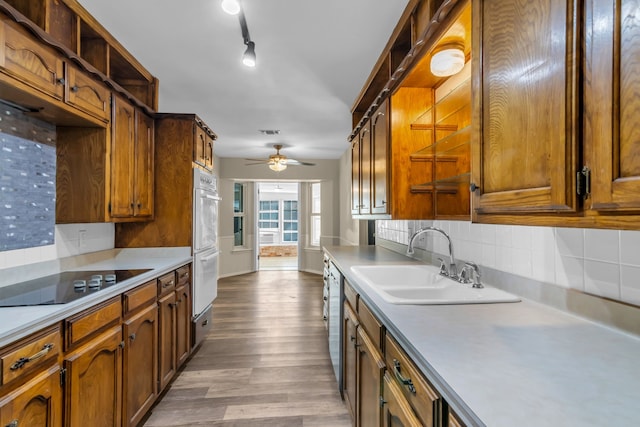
257, 163
258, 160
294, 162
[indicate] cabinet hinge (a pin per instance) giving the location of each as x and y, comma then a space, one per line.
583, 182
63, 376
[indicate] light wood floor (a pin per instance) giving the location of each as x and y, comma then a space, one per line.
265, 363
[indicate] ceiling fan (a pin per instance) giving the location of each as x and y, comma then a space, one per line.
279, 162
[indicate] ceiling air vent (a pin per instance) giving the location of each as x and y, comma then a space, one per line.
269, 131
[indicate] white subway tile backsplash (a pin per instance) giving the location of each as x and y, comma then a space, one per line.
602, 262
570, 242
521, 237
630, 284
630, 247
570, 272
602, 245
602, 278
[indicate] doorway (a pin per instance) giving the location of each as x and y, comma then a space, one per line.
278, 225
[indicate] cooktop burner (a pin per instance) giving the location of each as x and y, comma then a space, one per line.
62, 287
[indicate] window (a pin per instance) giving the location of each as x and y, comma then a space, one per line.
269, 215
238, 214
290, 221
314, 214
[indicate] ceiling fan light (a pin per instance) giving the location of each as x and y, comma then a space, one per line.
278, 166
448, 60
232, 7
249, 57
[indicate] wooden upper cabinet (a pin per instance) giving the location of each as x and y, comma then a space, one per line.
379, 153
612, 105
144, 166
87, 94
203, 145
122, 158
355, 175
132, 153
365, 169
25, 59
525, 106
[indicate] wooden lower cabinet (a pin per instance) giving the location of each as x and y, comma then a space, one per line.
93, 395
350, 357
396, 411
370, 370
140, 364
37, 403
166, 339
183, 323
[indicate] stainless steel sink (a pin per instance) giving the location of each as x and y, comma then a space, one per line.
421, 284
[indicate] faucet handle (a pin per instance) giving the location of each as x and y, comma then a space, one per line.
471, 274
443, 268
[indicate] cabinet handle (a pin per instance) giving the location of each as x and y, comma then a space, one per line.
74, 88
60, 81
121, 345
166, 285
13, 423
473, 187
132, 337
24, 360
403, 380
139, 205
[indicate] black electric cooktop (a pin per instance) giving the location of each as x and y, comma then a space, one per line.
62, 287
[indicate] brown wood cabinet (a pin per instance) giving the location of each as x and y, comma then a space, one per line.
140, 369
396, 411
203, 145
36, 403
370, 371
380, 193
183, 323
175, 138
361, 172
526, 144
611, 105
350, 354
132, 163
167, 365
87, 94
93, 385
106, 174
140, 364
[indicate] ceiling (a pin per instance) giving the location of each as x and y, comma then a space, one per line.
313, 57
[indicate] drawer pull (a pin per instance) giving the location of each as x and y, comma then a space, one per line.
166, 285
13, 423
24, 360
132, 337
403, 380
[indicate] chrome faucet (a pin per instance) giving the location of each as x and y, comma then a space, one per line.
450, 271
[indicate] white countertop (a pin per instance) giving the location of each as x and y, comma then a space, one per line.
513, 364
18, 322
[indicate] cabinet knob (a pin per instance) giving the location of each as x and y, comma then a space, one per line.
473, 187
132, 337
74, 88
60, 81
13, 423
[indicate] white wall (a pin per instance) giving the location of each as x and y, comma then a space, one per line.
234, 261
349, 228
70, 240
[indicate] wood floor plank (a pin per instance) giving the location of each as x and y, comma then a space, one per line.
265, 362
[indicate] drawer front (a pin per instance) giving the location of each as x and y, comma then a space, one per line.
370, 324
29, 61
30, 353
167, 283
350, 295
184, 275
141, 296
88, 95
420, 395
92, 321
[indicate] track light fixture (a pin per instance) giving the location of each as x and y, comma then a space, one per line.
233, 7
